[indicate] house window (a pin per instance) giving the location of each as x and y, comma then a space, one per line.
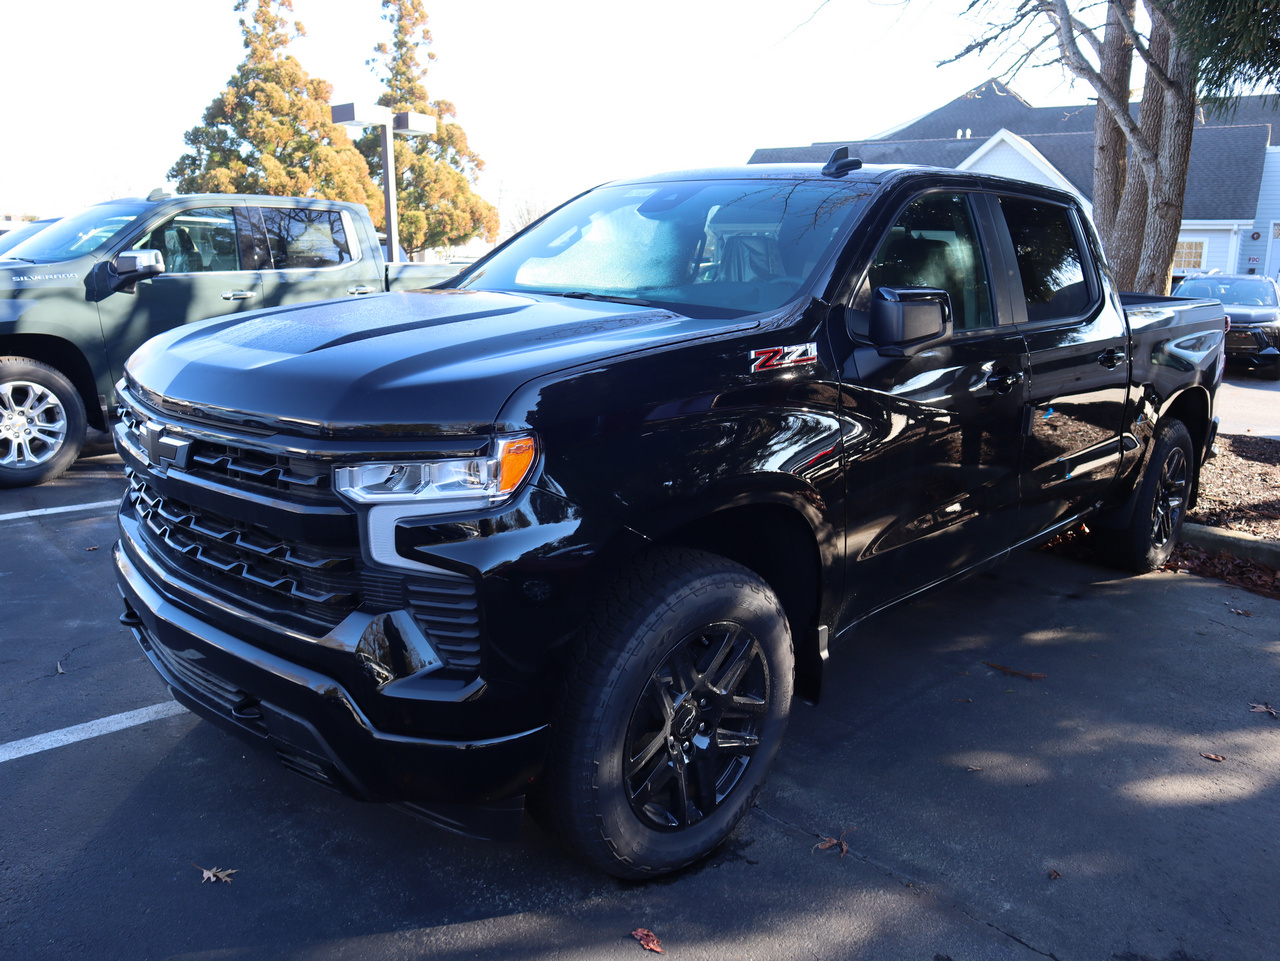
1188, 255
1275, 231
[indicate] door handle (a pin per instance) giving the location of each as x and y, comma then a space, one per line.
361, 289
1004, 380
238, 295
1112, 357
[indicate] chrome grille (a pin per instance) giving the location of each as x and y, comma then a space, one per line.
326, 584
240, 465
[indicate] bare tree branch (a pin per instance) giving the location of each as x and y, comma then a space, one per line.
1088, 34
1118, 105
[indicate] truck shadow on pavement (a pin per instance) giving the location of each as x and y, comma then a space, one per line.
962, 790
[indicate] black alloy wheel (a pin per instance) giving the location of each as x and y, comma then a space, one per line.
1159, 505
1170, 501
696, 727
673, 708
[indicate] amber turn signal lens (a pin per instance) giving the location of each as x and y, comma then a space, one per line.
515, 457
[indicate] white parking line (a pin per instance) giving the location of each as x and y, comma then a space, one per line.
81, 732
95, 506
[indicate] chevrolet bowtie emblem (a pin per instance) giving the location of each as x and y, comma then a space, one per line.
161, 448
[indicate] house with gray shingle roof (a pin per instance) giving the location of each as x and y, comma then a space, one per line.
1231, 212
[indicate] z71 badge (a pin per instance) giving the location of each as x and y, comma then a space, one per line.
771, 358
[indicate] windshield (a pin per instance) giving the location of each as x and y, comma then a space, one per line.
702, 247
74, 236
1244, 291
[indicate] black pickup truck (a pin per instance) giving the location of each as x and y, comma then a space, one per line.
576, 527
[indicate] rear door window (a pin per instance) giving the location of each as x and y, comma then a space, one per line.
303, 238
1050, 260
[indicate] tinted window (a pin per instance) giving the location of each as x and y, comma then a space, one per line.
302, 237
934, 244
195, 241
81, 234
721, 245
1049, 258
1244, 291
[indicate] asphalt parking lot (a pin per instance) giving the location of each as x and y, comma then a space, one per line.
987, 816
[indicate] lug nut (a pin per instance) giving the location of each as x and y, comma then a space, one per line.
702, 728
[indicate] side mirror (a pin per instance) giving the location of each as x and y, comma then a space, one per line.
906, 320
132, 266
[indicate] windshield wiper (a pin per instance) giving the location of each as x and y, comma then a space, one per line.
23, 259
584, 295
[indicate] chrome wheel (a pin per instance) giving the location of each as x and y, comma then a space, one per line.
33, 424
696, 727
1170, 499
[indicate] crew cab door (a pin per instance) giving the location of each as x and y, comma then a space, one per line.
315, 254
932, 466
1077, 340
207, 274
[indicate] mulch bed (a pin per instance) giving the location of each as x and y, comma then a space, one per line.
1240, 491
1240, 487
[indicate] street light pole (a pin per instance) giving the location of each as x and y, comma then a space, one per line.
389, 192
406, 123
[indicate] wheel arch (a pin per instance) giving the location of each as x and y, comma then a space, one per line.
1191, 407
65, 357
777, 542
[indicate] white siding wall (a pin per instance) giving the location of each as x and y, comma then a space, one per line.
1004, 161
1217, 244
1268, 210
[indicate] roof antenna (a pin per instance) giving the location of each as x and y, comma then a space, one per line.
840, 163
158, 194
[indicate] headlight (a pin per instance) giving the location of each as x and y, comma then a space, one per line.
439, 486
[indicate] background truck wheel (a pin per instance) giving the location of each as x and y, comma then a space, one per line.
672, 715
1160, 507
42, 422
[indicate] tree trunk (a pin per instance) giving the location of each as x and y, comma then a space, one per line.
1110, 148
1166, 189
1129, 237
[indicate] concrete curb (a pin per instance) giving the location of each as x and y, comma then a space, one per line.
1236, 543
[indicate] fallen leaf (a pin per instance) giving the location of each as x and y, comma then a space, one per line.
1012, 673
60, 670
1212, 757
827, 843
215, 873
962, 700
1054, 875
1241, 613
1263, 709
648, 940
974, 769
93, 548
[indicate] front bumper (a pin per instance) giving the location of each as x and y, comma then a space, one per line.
316, 728
1254, 346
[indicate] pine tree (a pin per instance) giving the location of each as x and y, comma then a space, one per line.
435, 174
269, 131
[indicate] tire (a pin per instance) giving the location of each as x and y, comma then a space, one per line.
1161, 505
1273, 372
42, 422
673, 713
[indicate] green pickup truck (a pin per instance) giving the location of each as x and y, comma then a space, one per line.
77, 298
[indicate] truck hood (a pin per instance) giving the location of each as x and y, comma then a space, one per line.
1243, 315
430, 362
